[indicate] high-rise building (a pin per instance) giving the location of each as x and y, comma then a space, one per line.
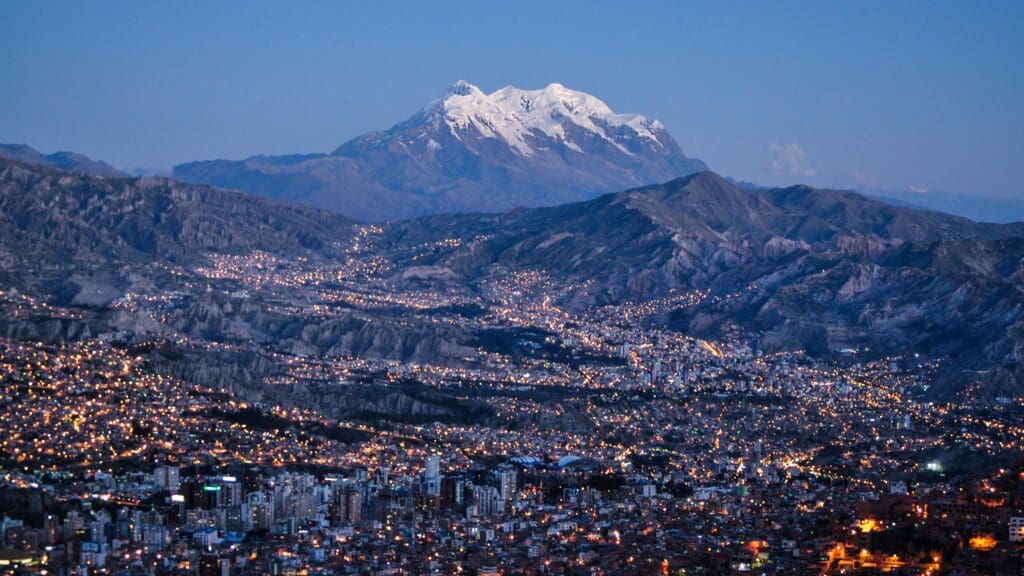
507, 483
238, 518
432, 477
251, 481
488, 500
167, 477
348, 505
155, 536
453, 491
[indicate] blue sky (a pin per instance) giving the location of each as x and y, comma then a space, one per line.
894, 94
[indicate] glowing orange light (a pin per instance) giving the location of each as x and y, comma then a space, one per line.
869, 525
983, 542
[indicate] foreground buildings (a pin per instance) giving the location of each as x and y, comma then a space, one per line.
571, 519
785, 467
577, 442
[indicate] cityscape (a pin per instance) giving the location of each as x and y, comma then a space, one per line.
585, 288
609, 445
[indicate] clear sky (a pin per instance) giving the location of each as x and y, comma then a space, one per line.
895, 94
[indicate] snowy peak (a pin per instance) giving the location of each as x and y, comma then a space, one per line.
462, 88
520, 117
555, 99
469, 150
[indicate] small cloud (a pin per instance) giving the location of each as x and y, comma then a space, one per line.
863, 180
790, 160
917, 189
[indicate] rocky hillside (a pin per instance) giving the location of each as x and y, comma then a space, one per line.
153, 264
822, 270
71, 237
795, 267
50, 214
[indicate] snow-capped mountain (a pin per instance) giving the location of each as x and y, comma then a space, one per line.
521, 117
470, 151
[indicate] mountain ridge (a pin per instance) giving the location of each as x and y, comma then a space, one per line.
790, 267
787, 268
468, 151
51, 214
61, 160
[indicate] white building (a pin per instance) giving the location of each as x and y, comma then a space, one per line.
433, 475
1017, 529
507, 479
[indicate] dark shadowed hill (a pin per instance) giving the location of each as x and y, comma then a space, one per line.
55, 225
51, 212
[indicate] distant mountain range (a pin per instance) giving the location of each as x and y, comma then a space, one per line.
797, 267
977, 208
474, 152
469, 151
999, 210
63, 160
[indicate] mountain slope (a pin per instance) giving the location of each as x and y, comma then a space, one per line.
793, 268
820, 270
469, 151
210, 285
55, 224
74, 240
69, 161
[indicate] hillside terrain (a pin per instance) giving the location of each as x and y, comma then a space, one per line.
796, 267
830, 272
